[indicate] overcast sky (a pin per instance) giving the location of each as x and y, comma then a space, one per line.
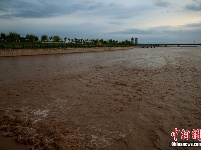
150, 20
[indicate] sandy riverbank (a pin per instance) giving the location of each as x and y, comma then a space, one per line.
31, 52
122, 100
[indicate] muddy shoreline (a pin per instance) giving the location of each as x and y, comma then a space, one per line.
50, 51
128, 100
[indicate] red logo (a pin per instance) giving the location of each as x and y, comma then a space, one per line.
186, 134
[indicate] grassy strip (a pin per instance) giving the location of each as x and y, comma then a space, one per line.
52, 45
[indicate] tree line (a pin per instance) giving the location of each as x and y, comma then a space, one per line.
14, 37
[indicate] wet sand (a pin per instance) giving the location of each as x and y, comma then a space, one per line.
101, 100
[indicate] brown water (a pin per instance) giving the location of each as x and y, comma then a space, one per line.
129, 99
14, 69
9, 144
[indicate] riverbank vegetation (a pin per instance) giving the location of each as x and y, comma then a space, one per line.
15, 41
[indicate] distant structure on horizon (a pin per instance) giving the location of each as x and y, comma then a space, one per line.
134, 41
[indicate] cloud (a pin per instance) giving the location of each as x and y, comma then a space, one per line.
194, 6
48, 8
193, 25
135, 31
184, 33
102, 18
45, 8
147, 31
162, 29
162, 3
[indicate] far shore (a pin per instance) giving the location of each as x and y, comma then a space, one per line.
49, 51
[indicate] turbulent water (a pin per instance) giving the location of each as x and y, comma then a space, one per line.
126, 99
14, 69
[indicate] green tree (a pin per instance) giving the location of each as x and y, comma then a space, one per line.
75, 40
3, 37
44, 38
65, 39
51, 37
110, 41
13, 37
123, 43
36, 39
101, 40
31, 37
127, 42
22, 39
56, 38
105, 42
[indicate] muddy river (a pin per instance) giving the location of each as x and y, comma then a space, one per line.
127, 99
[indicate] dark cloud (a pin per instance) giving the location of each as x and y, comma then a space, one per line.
41, 9
193, 25
162, 3
4, 5
194, 6
45, 9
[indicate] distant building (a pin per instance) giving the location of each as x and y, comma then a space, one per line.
132, 41
136, 41
98, 43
